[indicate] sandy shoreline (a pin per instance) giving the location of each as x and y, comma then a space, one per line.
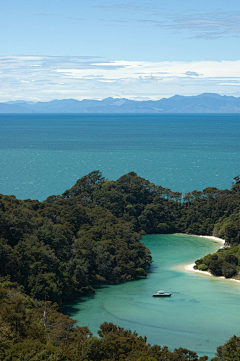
189, 267
217, 239
220, 240
214, 239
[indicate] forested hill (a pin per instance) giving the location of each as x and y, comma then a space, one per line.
61, 247
154, 209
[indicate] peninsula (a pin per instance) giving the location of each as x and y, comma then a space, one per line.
59, 249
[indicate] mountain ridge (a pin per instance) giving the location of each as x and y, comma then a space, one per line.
203, 103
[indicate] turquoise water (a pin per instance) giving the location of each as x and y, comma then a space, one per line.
202, 313
45, 154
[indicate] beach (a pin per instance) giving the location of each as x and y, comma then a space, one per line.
189, 267
214, 239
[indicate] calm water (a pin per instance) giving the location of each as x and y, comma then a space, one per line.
42, 154
202, 313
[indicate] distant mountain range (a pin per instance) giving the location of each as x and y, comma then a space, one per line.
204, 103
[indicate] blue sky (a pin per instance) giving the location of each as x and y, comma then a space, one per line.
56, 49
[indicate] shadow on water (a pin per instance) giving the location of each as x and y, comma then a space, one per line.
74, 307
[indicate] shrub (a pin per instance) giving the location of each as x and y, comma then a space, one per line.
203, 267
229, 270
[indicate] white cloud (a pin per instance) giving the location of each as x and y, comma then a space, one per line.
46, 78
117, 70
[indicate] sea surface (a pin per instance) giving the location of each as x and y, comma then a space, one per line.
202, 313
45, 154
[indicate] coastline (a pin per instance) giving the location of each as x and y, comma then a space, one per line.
217, 239
220, 240
189, 267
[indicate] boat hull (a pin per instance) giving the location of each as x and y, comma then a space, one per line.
164, 295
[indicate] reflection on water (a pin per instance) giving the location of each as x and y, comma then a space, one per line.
201, 314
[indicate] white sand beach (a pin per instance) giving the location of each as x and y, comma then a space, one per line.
217, 239
214, 239
189, 267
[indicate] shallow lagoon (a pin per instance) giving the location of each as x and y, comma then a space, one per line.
201, 314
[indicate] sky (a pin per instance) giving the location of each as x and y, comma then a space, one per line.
93, 49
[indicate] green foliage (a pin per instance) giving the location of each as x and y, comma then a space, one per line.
203, 267
62, 247
226, 262
26, 334
33, 330
230, 351
228, 228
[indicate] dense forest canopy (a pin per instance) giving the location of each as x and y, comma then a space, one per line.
59, 249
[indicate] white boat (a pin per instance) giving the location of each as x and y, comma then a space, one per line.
161, 294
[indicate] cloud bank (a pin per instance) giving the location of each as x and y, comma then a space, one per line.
44, 78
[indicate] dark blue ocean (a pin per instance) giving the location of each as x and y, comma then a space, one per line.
45, 154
